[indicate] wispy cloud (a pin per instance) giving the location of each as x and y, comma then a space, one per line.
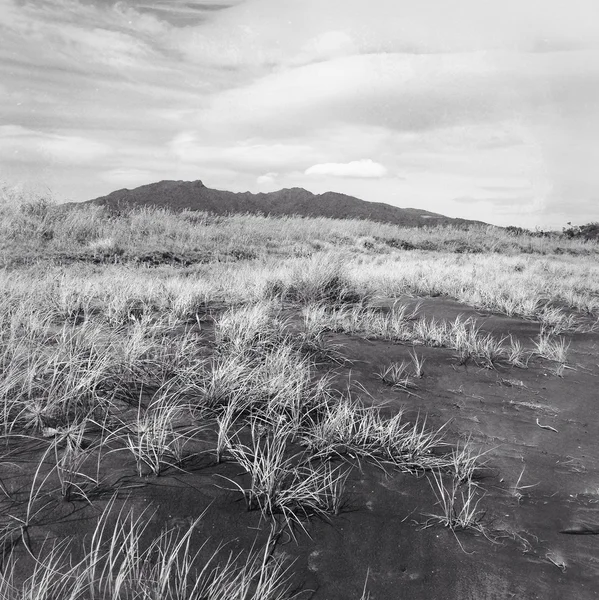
18, 143
183, 12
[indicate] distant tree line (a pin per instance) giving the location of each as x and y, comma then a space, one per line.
590, 231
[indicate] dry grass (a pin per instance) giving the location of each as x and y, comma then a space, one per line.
153, 437
101, 354
284, 483
458, 504
31, 221
551, 347
116, 562
397, 375
402, 325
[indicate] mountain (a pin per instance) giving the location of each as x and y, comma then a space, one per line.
194, 195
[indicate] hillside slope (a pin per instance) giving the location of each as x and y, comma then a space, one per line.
194, 195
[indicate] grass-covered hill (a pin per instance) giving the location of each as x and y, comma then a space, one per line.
38, 230
194, 195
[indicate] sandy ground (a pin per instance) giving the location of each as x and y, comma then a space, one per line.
540, 542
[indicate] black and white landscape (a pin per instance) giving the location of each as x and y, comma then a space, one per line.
299, 299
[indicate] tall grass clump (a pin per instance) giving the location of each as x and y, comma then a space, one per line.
552, 347
157, 438
75, 482
345, 428
286, 483
458, 504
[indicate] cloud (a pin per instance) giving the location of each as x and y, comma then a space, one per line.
405, 93
402, 92
22, 144
267, 179
183, 12
365, 168
75, 35
276, 34
251, 155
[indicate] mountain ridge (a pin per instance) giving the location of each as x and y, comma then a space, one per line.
194, 195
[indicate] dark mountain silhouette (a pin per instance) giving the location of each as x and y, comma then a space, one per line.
194, 195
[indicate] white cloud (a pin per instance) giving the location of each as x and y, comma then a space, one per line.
365, 168
267, 179
272, 33
402, 92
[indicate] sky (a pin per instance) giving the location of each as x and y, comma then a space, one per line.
481, 109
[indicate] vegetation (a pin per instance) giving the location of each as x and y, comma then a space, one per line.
35, 229
156, 341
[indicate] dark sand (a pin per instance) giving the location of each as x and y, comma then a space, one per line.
542, 543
